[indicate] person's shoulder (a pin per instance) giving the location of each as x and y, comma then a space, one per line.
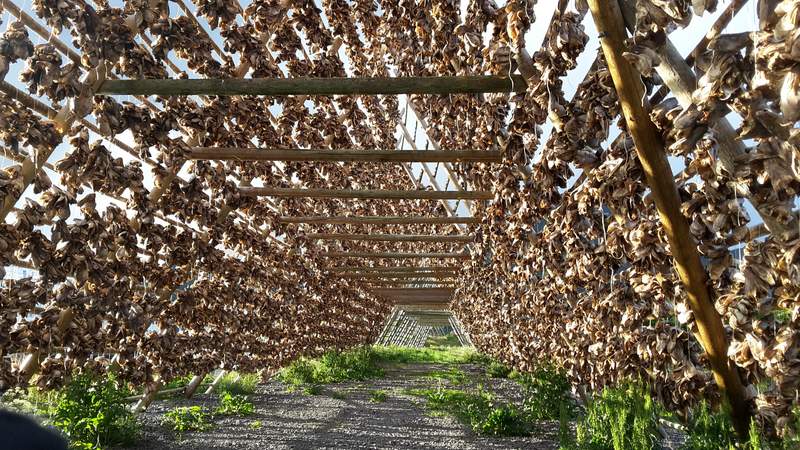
20, 432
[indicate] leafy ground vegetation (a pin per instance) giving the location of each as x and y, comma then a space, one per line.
94, 412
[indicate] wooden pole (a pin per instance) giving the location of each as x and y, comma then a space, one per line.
392, 269
650, 150
193, 385
151, 391
393, 255
408, 284
363, 194
317, 86
389, 237
376, 220
399, 275
215, 382
346, 155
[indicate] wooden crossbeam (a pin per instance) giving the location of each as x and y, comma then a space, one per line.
265, 154
393, 255
401, 284
475, 84
389, 237
394, 269
438, 305
415, 295
376, 220
398, 275
248, 191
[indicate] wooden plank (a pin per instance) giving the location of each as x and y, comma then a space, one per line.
393, 269
412, 291
249, 191
407, 284
393, 255
267, 154
400, 275
376, 220
390, 237
318, 86
401, 296
650, 150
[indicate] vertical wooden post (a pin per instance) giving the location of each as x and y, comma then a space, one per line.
215, 382
194, 383
150, 392
650, 150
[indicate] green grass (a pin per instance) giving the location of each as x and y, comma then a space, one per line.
187, 418
332, 367
378, 396
545, 392
311, 389
438, 355
497, 370
620, 418
92, 412
448, 340
453, 374
238, 383
478, 409
255, 425
234, 404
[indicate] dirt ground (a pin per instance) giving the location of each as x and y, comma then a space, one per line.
300, 421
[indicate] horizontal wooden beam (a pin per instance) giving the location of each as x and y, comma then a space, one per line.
413, 291
415, 295
398, 275
393, 255
475, 84
391, 156
394, 269
404, 305
249, 191
389, 237
406, 284
376, 220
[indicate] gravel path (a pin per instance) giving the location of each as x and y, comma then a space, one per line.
298, 421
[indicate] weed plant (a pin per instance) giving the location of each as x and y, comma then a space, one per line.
332, 367
622, 418
448, 340
438, 355
238, 383
92, 412
707, 430
187, 418
234, 404
312, 389
453, 374
477, 410
546, 390
378, 396
256, 425
497, 370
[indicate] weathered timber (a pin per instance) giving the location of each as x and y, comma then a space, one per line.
394, 255
267, 154
376, 220
318, 86
248, 191
389, 237
650, 150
